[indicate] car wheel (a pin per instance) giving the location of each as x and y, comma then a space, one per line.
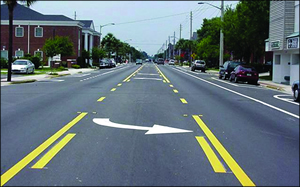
224, 77
220, 76
32, 71
27, 71
236, 79
192, 69
230, 78
296, 94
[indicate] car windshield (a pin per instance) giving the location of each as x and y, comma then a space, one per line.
150, 93
20, 63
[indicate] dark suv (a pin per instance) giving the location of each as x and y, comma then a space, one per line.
227, 68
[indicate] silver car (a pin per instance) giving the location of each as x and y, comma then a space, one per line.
198, 65
22, 66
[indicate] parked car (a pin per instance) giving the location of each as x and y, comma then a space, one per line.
172, 62
113, 62
227, 68
198, 65
22, 66
160, 61
105, 63
244, 73
295, 89
139, 61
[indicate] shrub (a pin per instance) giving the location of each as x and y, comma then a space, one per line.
64, 63
36, 61
4, 63
61, 68
97, 64
75, 66
81, 62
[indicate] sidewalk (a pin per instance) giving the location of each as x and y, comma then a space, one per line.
265, 83
71, 71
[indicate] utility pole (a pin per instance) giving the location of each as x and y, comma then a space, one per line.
221, 35
166, 49
75, 16
191, 37
191, 25
169, 48
174, 46
180, 32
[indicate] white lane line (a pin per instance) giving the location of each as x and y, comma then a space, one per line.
285, 99
104, 73
142, 78
82, 75
147, 74
251, 98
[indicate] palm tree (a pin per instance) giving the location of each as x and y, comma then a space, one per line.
11, 4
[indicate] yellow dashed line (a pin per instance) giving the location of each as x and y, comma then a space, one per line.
114, 89
101, 99
171, 86
176, 91
120, 84
183, 100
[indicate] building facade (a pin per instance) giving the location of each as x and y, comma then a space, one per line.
31, 29
284, 40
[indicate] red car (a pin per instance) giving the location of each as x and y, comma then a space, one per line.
244, 73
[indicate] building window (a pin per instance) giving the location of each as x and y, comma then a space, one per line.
19, 31
39, 54
277, 59
19, 53
38, 32
4, 54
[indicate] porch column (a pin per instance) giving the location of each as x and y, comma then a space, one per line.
86, 42
91, 47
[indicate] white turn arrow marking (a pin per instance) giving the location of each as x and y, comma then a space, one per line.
156, 129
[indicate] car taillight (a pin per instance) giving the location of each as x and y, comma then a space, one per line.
241, 72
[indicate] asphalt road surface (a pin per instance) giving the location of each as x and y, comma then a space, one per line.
147, 125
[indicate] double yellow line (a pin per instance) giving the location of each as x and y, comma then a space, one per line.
31, 156
166, 79
232, 164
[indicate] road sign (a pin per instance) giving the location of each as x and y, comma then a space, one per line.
193, 55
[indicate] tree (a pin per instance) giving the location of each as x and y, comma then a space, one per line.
11, 4
97, 54
59, 45
109, 43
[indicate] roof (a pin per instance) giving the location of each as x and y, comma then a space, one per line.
24, 13
87, 23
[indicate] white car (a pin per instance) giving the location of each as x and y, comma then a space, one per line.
22, 66
172, 62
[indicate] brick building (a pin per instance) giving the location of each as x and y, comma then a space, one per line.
31, 29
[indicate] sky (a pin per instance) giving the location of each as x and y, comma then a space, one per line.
145, 25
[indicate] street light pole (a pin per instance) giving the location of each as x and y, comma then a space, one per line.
101, 29
221, 32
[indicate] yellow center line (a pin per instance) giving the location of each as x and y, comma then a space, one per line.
176, 91
31, 156
133, 74
164, 81
171, 86
183, 100
114, 89
101, 99
54, 150
120, 84
233, 165
212, 157
163, 75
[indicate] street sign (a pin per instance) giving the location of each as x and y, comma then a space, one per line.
193, 55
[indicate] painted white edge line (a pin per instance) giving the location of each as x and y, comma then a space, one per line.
256, 100
287, 100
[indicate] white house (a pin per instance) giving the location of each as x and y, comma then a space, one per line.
284, 40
